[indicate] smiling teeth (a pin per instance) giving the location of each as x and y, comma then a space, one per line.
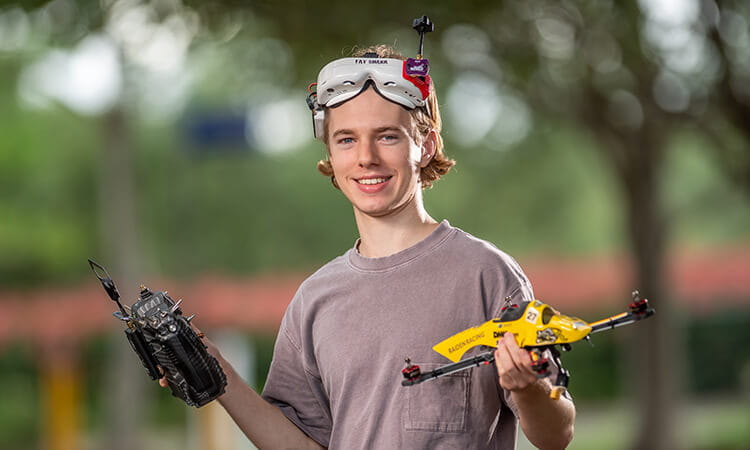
371, 180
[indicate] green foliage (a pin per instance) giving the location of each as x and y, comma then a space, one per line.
247, 212
263, 346
241, 213
19, 415
702, 201
47, 188
716, 358
595, 369
550, 194
719, 357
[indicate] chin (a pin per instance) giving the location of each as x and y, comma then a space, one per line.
381, 210
374, 212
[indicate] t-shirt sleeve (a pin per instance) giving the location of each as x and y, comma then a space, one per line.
510, 283
295, 387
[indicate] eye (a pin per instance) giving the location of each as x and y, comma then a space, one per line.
345, 140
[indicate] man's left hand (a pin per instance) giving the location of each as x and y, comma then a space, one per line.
513, 364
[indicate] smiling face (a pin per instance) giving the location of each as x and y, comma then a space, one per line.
374, 157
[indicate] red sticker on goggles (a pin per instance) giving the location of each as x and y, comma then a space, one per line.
415, 71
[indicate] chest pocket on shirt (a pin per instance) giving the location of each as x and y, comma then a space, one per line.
438, 405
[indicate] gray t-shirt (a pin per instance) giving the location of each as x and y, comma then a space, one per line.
336, 369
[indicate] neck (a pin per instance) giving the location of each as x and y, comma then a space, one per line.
384, 236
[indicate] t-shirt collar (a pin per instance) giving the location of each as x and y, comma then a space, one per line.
438, 235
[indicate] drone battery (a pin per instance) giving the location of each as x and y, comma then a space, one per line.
140, 346
192, 373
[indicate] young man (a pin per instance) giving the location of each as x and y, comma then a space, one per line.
408, 283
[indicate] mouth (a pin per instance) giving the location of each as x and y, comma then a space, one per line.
372, 181
373, 184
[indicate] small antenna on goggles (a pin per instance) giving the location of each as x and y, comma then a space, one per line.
422, 25
419, 67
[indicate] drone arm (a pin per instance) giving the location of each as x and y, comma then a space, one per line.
619, 320
416, 377
639, 310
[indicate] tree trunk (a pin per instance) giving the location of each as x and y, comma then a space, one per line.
125, 382
655, 372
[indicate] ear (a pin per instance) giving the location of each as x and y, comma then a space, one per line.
429, 147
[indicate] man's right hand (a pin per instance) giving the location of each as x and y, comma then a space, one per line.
210, 347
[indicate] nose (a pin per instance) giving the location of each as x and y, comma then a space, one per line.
368, 154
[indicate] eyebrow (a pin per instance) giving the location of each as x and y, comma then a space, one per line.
391, 128
341, 131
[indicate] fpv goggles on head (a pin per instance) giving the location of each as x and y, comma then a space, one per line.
403, 82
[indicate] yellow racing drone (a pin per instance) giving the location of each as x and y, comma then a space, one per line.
537, 327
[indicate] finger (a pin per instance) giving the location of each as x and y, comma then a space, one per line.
512, 364
163, 380
510, 340
503, 359
510, 376
521, 357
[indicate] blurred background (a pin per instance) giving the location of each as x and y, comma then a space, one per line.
603, 144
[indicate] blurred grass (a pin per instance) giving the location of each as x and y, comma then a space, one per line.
707, 423
718, 423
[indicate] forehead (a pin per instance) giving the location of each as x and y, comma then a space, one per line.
368, 110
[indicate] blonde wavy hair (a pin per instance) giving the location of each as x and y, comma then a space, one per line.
423, 121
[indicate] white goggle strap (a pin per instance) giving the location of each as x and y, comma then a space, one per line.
318, 114
318, 123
